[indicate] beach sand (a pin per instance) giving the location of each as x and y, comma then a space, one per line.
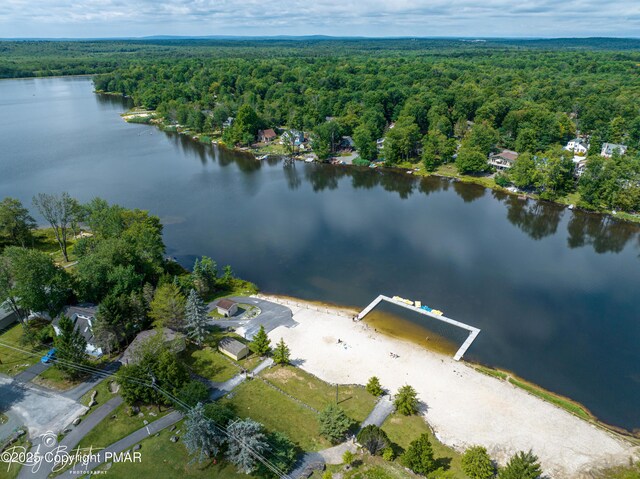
463, 406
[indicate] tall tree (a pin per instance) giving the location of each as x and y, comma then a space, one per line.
246, 439
203, 439
204, 275
261, 344
15, 222
477, 464
196, 318
406, 400
168, 306
281, 353
334, 423
7, 292
59, 212
70, 348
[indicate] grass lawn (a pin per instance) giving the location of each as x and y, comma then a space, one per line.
622, 472
21, 445
355, 400
369, 467
277, 412
163, 458
53, 378
102, 396
402, 430
45, 240
12, 361
110, 430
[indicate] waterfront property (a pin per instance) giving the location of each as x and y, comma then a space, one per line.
503, 160
233, 348
175, 341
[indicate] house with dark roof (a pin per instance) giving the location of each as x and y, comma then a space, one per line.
267, 136
503, 160
233, 348
227, 307
83, 317
609, 148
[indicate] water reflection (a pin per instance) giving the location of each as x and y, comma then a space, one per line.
538, 219
605, 234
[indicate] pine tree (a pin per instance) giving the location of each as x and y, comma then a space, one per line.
281, 353
261, 344
477, 464
202, 436
196, 318
406, 400
419, 456
373, 387
524, 465
245, 439
70, 347
334, 423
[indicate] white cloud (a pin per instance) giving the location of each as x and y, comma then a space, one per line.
91, 18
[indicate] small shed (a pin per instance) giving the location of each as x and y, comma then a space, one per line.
227, 307
233, 348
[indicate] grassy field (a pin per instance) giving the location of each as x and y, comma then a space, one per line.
110, 430
369, 467
14, 362
564, 403
632, 471
277, 412
402, 430
163, 458
355, 400
12, 472
45, 240
492, 372
53, 378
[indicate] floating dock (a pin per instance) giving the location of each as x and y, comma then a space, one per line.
473, 332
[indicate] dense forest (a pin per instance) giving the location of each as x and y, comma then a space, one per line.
432, 101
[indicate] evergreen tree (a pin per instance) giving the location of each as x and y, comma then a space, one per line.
477, 464
406, 400
419, 456
202, 438
373, 439
524, 465
168, 306
245, 439
334, 423
196, 318
70, 347
374, 387
261, 344
281, 353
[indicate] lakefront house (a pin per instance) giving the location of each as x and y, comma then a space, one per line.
503, 160
83, 317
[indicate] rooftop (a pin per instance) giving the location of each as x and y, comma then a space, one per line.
231, 345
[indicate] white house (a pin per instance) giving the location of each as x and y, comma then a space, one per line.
503, 160
578, 145
83, 316
609, 148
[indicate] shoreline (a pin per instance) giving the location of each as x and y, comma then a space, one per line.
415, 171
462, 405
498, 374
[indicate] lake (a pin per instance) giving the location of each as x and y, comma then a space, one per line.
554, 291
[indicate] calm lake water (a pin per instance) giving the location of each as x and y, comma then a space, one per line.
555, 292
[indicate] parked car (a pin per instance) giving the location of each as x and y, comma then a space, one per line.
49, 356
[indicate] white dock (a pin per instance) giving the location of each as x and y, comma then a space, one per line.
473, 332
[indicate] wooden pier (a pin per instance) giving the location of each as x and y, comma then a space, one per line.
473, 332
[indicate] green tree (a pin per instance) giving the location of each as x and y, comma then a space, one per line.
202, 438
38, 284
419, 456
70, 348
246, 439
7, 291
59, 212
524, 465
406, 400
401, 142
477, 464
326, 138
373, 439
15, 222
193, 393
168, 306
282, 454
365, 142
204, 275
482, 136
374, 387
261, 344
471, 160
281, 353
334, 423
196, 318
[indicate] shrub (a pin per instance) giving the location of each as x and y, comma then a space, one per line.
361, 162
374, 387
348, 457
388, 454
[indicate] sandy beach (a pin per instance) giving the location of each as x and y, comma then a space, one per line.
464, 406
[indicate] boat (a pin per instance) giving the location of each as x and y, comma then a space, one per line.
263, 157
308, 160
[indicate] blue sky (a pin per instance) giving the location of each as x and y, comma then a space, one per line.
494, 18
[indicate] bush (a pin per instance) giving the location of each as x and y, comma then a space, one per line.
502, 180
373, 439
374, 387
388, 454
406, 400
361, 162
348, 457
477, 464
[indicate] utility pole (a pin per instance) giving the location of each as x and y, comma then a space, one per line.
336, 394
